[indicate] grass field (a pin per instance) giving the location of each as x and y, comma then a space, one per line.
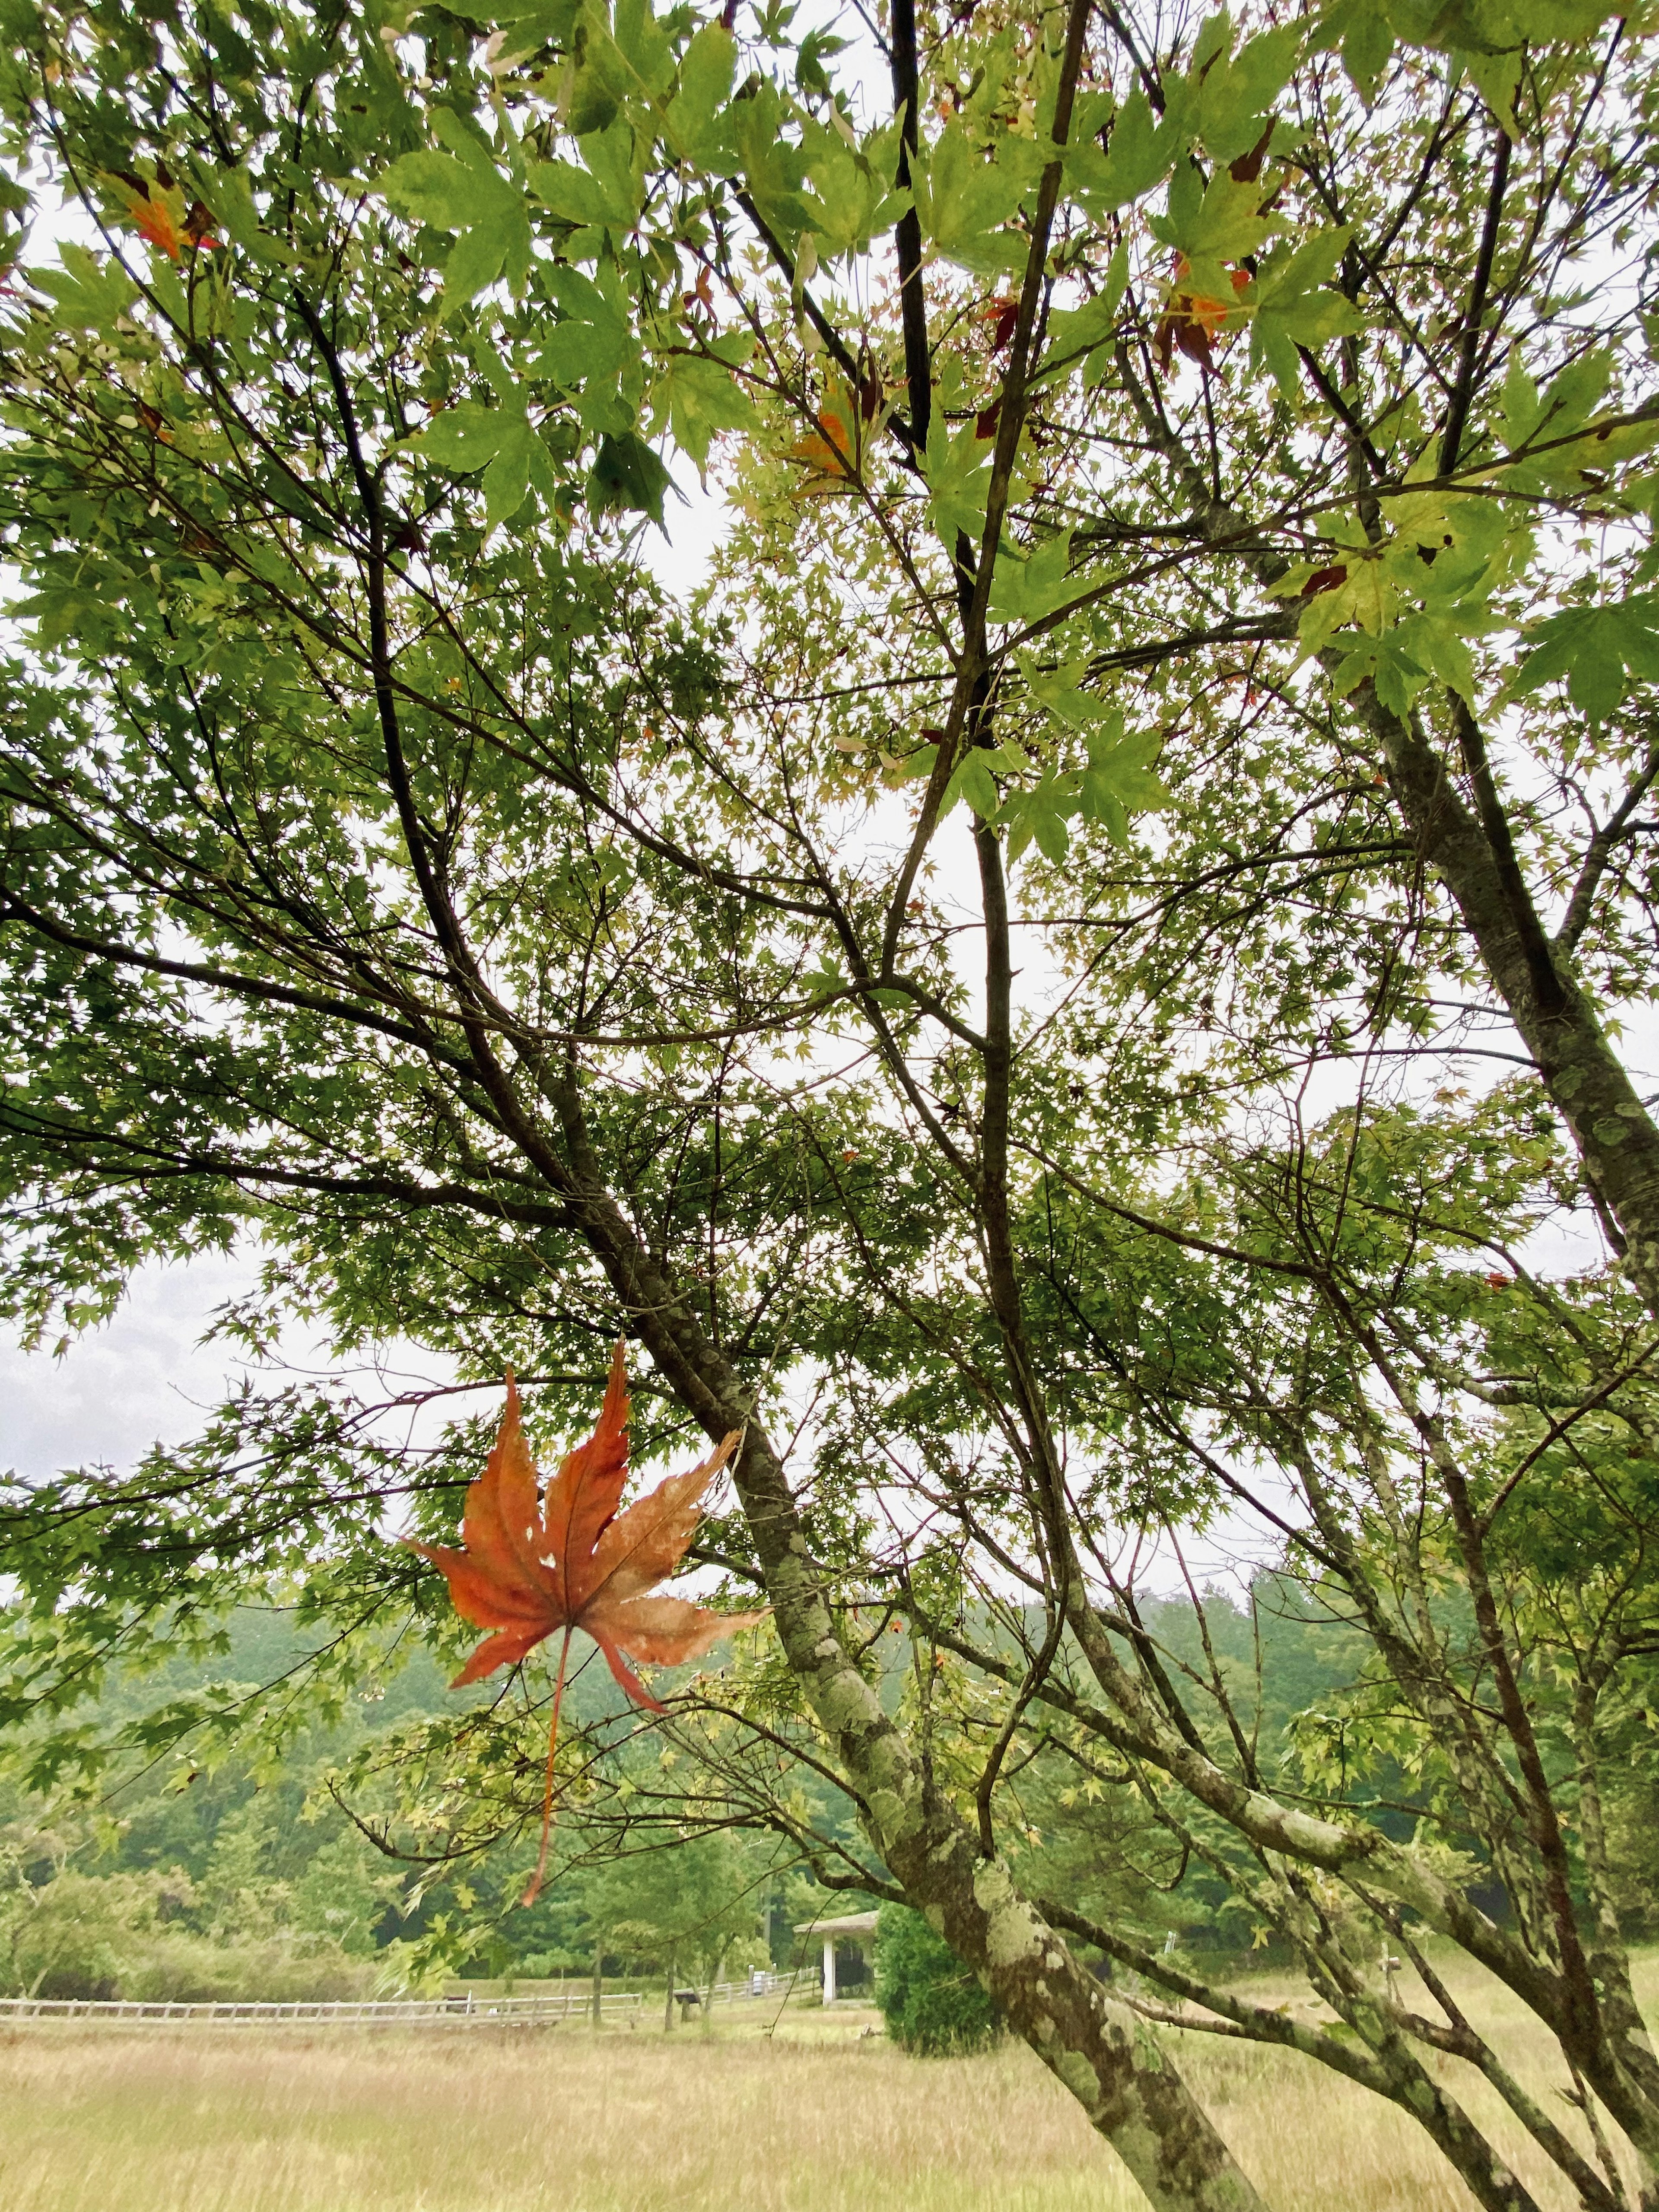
823, 2118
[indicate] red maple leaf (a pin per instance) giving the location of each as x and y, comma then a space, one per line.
154, 220
198, 221
530, 1564
1326, 579
161, 217
1192, 321
1002, 315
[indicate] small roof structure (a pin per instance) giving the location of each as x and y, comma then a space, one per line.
856, 1926
850, 1924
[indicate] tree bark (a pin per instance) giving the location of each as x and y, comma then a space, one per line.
1105, 2055
1108, 2057
1473, 856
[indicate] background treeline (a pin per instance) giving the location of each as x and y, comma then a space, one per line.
232, 1879
237, 1878
222, 1878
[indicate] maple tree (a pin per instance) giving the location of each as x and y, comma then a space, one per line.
528, 1566
1074, 994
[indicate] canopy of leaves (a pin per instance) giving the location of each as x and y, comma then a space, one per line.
1071, 997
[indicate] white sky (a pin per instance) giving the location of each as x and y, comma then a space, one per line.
118, 1388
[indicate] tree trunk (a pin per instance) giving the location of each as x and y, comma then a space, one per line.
668, 2001
598, 1982
1473, 857
1107, 2057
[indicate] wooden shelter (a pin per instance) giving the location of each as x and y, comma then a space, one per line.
852, 1928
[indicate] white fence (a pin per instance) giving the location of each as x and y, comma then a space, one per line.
765, 1985
379, 2012
472, 2010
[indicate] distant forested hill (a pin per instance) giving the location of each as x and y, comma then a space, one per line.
220, 1877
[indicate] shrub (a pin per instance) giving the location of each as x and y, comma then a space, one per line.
186, 1969
933, 2005
110, 1935
72, 1938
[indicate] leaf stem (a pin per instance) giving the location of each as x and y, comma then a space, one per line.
535, 1889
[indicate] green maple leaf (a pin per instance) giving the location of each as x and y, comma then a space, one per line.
1211, 227
1389, 664
850, 203
701, 396
696, 124
1595, 649
628, 475
1231, 95
1120, 781
602, 192
501, 441
533, 23
1139, 154
641, 42
464, 191
964, 198
1290, 305
87, 294
1024, 591
591, 338
1040, 816
957, 466
774, 169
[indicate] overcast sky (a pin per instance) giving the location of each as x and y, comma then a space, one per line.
118, 1388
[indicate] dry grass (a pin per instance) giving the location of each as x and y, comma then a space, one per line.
826, 2121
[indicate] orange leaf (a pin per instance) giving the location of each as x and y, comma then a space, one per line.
583, 1495
831, 451
1192, 320
162, 218
647, 1542
511, 1644
528, 1566
670, 1631
154, 220
1212, 314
